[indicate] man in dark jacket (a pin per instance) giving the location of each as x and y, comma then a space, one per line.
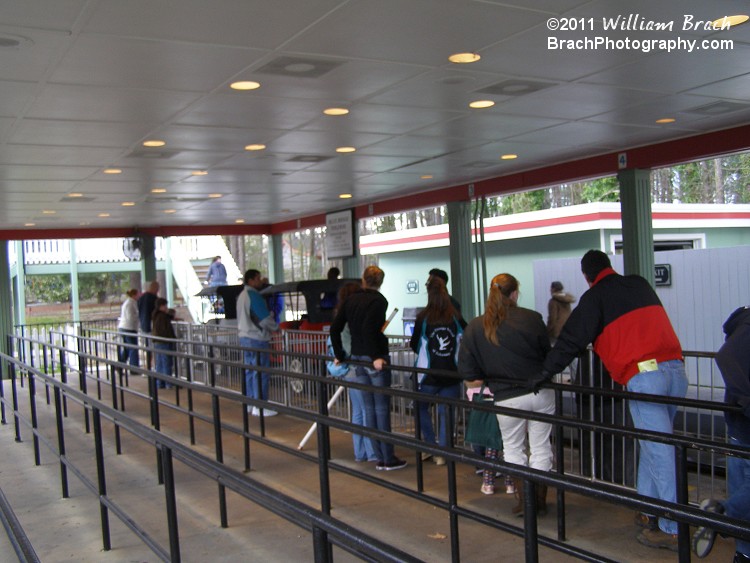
629, 328
365, 312
733, 359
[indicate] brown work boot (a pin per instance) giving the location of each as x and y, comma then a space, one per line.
657, 538
518, 509
541, 500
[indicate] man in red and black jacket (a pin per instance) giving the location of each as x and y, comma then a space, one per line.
629, 328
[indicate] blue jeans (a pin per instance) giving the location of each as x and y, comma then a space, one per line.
129, 354
737, 504
163, 361
364, 450
377, 405
656, 464
256, 359
425, 420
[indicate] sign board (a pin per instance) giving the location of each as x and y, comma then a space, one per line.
412, 286
340, 234
662, 274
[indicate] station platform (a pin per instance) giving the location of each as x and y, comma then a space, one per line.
70, 529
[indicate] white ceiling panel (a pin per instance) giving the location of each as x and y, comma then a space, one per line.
89, 80
137, 63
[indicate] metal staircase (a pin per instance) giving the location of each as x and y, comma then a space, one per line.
190, 257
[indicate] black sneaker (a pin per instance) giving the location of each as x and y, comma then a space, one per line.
392, 465
703, 539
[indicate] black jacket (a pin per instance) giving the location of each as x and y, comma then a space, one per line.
365, 313
523, 345
733, 359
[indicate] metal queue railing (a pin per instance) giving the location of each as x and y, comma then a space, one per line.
562, 479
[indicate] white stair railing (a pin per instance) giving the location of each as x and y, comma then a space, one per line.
187, 280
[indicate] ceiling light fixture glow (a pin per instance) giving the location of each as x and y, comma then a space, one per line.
215, 196
158, 190
255, 147
75, 194
29, 224
199, 172
464, 58
154, 143
170, 211
239, 221
245, 85
481, 104
112, 171
666, 120
48, 212
345, 196
426, 177
103, 215
346, 149
128, 203
509, 157
335, 111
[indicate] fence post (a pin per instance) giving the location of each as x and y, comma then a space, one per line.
34, 421
323, 547
82, 383
531, 536
61, 440
14, 391
683, 528
101, 478
452, 487
219, 448
64, 378
560, 453
171, 499
113, 384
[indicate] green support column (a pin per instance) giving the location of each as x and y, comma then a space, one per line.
275, 259
459, 226
168, 274
19, 313
351, 267
6, 300
148, 260
637, 226
74, 283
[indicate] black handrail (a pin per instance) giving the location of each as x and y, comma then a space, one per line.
563, 482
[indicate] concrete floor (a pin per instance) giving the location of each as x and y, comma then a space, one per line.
70, 530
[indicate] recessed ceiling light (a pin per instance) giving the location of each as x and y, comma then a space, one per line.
75, 194
509, 157
666, 120
158, 190
345, 196
346, 149
729, 21
426, 177
239, 220
479, 104
112, 171
29, 224
255, 147
154, 143
170, 211
128, 203
14, 42
199, 172
335, 111
215, 196
245, 85
48, 212
103, 215
464, 58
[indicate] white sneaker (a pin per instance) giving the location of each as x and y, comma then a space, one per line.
255, 411
268, 412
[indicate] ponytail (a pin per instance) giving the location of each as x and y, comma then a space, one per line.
498, 304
